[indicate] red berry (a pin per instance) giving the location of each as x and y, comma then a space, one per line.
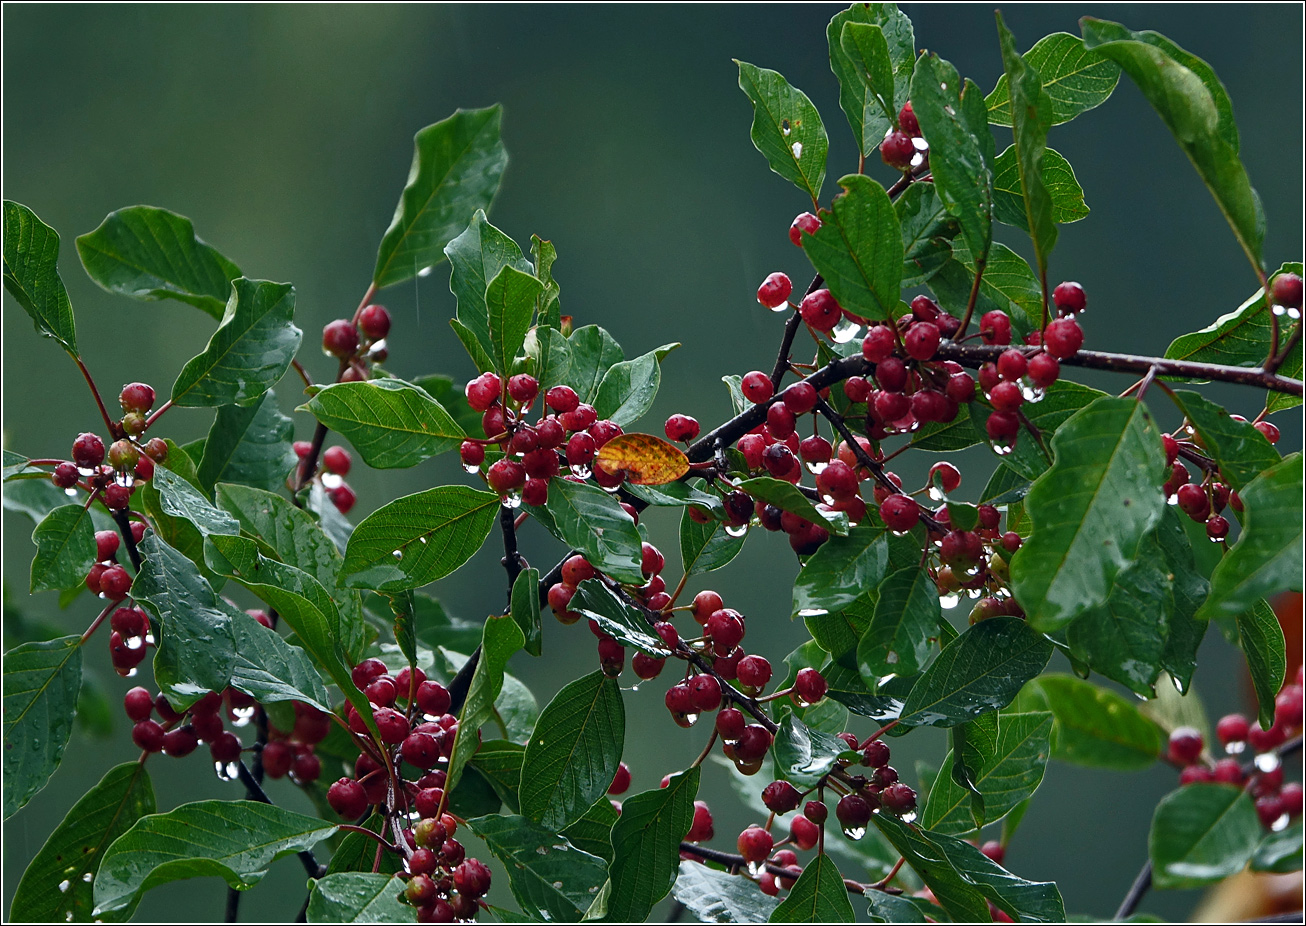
392, 725
420, 750
856, 388
505, 476
949, 477
898, 798
876, 754
277, 759
701, 829
136, 397
620, 781
1217, 528
757, 387
180, 742
1232, 728
815, 811
483, 391
810, 685
148, 735
774, 291
375, 322
1265, 740
1043, 370
65, 475
921, 340
900, 512
754, 844
1006, 396
347, 798
88, 451
780, 421
139, 704
115, 583
472, 878
878, 344
891, 374
681, 428
994, 850
340, 338
853, 811
753, 672
523, 388
1012, 364
753, 743
726, 628
1002, 427
705, 692
343, 497
960, 387
106, 545
800, 398
1069, 298
337, 460
897, 150
1268, 429
907, 121
1185, 745
804, 223
730, 724
1288, 708
1062, 338
1287, 290
995, 327
780, 797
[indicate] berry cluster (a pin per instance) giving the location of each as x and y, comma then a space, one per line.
1276, 802
336, 463
359, 343
903, 148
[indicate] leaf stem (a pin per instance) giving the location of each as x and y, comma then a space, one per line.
1276, 360
114, 428
157, 413
95, 624
974, 295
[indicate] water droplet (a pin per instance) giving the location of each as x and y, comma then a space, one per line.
755, 869
782, 307
68, 917
511, 499
949, 110
1279, 310
226, 771
88, 877
845, 331
378, 346
241, 716
425, 271
948, 601
784, 128
1178, 685
1235, 748
1294, 314
854, 832
130, 673
581, 471
909, 817
1267, 761
134, 642
1000, 450
397, 554
812, 612
70, 492
943, 85
332, 481
64, 885
470, 467
421, 539
149, 638
85, 471
901, 533
937, 494
736, 530
1215, 539
691, 719
816, 468
1280, 824
797, 148
1032, 393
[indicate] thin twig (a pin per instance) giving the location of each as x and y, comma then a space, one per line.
787, 340
114, 428
970, 303
1276, 360
125, 528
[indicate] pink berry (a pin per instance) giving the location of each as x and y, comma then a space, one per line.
805, 223
774, 291
1069, 298
343, 497
757, 387
340, 338
1062, 338
820, 310
755, 844
337, 460
897, 150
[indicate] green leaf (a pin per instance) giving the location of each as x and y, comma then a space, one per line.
818, 896
179, 499
433, 532
196, 651
31, 274
1260, 637
592, 833
1185, 104
476, 257
499, 763
1031, 110
906, 615
927, 233
1189, 589
358, 897
1201, 834
65, 549
510, 301
1008, 284
841, 571
249, 446
550, 878
1090, 511
980, 671
525, 609
1267, 557
1097, 727
234, 840
391, 423
865, 114
1124, 639
859, 249
574, 753
1241, 451
248, 353
629, 387
150, 253
866, 48
544, 254
41, 683
270, 669
75, 848
786, 497
1280, 852
708, 546
646, 846
458, 164
590, 520
618, 619
713, 896
1061, 400
961, 147
551, 353
1006, 777
500, 639
677, 495
787, 129
593, 352
1064, 191
1075, 78
804, 755
480, 356
895, 908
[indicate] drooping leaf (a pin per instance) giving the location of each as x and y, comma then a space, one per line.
927, 232
708, 546
818, 896
418, 538
859, 250
1185, 104
65, 549
150, 253
41, 684
1260, 636
510, 303
270, 669
248, 353
980, 671
617, 618
77, 845
646, 846
1268, 554
234, 840
457, 166
1075, 78
593, 352
842, 570
1090, 511
31, 274
358, 897
865, 115
248, 446
645, 459
803, 755
525, 609
786, 497
391, 423
574, 752
713, 896
1097, 727
1064, 191
906, 615
592, 521
787, 129
550, 878
1201, 834
629, 387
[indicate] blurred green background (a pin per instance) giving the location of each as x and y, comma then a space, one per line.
284, 132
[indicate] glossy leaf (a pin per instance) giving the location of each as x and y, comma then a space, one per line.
1260, 636
499, 763
867, 50
1267, 557
65, 549
592, 833
980, 671
1097, 727
150, 253
551, 353
458, 164
434, 532
1241, 451
358, 897
899, 908
1075, 78
713, 896
629, 387
616, 618
786, 128
544, 254
475, 257
859, 250
573, 754
1185, 104
1201, 834
646, 846
818, 896
906, 615
1008, 776
391, 423
270, 669
643, 458
927, 232
510, 302
803, 755
1008, 284
550, 878
1064, 191
1090, 511
500, 639
1061, 400
708, 546
1189, 589
865, 115
179, 499
31, 274
249, 445
77, 845
677, 495
248, 353
525, 609
592, 521
1280, 852
41, 684
841, 571
234, 840
593, 352
961, 151
786, 497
